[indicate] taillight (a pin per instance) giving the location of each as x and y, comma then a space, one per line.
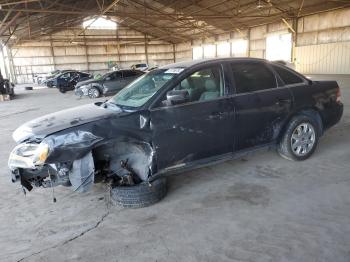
338, 95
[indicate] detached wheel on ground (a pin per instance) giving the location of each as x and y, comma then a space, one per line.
140, 195
94, 92
300, 138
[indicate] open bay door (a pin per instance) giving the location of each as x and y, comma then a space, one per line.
279, 46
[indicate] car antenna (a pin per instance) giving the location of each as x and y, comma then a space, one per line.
53, 190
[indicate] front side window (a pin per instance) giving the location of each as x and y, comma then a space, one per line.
205, 84
252, 76
65, 75
287, 76
140, 91
113, 76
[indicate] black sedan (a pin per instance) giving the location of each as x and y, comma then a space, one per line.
175, 118
109, 84
67, 79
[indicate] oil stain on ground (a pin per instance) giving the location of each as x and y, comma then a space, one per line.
251, 194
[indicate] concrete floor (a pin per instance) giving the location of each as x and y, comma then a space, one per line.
258, 208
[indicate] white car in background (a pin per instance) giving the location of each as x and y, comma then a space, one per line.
141, 66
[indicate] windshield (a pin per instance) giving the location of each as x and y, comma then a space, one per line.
143, 88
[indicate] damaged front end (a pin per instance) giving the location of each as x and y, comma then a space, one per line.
78, 158
27, 163
79, 146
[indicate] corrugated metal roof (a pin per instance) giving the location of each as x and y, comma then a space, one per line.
168, 20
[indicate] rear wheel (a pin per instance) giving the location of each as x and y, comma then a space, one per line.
93, 92
300, 138
62, 89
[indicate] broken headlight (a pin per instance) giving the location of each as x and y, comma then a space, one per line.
28, 155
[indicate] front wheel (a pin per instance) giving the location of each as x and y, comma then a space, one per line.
93, 92
140, 195
300, 138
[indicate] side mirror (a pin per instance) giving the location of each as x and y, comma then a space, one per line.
175, 97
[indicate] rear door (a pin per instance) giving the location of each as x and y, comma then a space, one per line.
198, 129
262, 105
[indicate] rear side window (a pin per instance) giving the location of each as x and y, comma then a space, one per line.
129, 73
66, 75
252, 76
115, 75
287, 76
84, 74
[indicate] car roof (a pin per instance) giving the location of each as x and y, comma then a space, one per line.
123, 70
204, 61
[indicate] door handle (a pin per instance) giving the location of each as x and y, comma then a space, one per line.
281, 102
216, 115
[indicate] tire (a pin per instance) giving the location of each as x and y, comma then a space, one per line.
94, 92
62, 89
140, 195
78, 92
300, 137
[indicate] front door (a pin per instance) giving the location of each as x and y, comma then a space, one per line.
197, 129
113, 81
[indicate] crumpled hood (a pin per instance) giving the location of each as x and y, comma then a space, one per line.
51, 123
87, 82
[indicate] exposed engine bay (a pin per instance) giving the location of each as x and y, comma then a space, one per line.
122, 163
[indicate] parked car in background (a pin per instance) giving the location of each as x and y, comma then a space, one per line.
43, 78
176, 118
141, 67
151, 68
66, 80
108, 84
48, 79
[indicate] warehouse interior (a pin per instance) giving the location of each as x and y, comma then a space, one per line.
42, 36
255, 208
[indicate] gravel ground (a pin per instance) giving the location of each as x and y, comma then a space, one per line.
257, 208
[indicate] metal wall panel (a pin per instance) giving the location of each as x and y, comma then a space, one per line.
89, 53
331, 58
